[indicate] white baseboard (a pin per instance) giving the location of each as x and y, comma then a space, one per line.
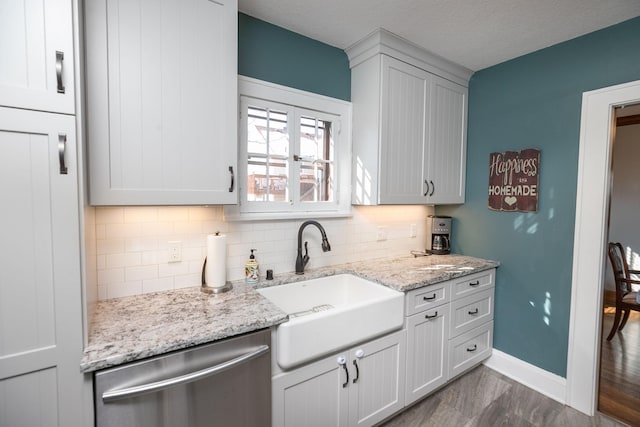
551, 385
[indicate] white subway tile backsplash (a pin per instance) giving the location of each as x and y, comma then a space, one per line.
109, 215
204, 213
187, 280
132, 243
140, 214
122, 230
156, 229
127, 259
141, 273
173, 213
173, 269
150, 257
188, 228
156, 285
101, 232
138, 244
119, 290
109, 246
108, 276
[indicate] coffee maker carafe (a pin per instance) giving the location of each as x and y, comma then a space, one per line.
438, 235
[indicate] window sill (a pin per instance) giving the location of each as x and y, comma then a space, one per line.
231, 216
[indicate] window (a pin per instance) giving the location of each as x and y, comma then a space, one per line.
294, 156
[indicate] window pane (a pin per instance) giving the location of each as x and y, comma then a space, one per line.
268, 155
316, 160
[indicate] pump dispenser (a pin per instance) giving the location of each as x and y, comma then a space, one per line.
251, 269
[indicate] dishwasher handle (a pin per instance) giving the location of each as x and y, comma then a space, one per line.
126, 393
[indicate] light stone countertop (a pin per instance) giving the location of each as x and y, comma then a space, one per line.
400, 273
132, 328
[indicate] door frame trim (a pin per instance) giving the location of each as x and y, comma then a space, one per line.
597, 130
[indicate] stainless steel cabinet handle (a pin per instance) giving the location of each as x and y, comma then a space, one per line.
433, 188
426, 192
59, 59
125, 393
232, 179
62, 148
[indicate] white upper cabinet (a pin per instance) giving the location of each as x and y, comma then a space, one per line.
405, 106
409, 123
446, 155
37, 55
162, 101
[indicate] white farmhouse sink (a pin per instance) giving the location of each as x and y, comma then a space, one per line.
331, 313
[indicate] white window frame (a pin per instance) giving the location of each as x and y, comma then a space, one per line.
296, 102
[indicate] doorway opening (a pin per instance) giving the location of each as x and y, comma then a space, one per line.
592, 203
619, 380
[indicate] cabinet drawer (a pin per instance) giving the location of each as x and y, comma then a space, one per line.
425, 298
473, 283
470, 312
469, 349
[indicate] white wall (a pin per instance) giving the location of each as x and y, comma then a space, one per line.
625, 197
132, 243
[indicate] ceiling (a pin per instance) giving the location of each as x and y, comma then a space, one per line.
473, 33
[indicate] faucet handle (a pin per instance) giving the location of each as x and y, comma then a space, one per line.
306, 249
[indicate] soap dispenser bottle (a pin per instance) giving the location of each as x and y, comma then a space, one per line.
251, 269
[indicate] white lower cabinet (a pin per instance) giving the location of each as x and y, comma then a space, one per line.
449, 330
427, 349
357, 387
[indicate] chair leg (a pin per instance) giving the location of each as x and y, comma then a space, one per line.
627, 312
616, 322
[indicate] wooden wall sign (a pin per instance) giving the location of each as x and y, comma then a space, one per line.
513, 180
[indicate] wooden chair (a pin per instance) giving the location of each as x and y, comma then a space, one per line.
625, 297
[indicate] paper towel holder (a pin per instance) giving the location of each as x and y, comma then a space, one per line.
208, 289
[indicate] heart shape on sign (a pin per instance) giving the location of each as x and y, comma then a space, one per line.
510, 200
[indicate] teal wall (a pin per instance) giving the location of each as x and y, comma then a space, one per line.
276, 55
535, 101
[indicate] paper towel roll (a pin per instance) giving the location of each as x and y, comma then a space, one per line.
216, 270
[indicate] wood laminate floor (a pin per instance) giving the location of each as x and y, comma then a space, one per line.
485, 398
619, 394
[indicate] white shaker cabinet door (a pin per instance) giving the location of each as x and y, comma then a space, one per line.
162, 101
314, 395
40, 285
427, 348
36, 45
404, 131
446, 156
377, 379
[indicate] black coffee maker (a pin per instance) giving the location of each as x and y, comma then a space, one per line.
438, 235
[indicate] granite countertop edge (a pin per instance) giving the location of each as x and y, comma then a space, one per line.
133, 328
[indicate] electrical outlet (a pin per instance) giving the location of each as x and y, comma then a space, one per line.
382, 233
175, 251
413, 230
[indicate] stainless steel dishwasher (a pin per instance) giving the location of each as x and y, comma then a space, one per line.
226, 383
